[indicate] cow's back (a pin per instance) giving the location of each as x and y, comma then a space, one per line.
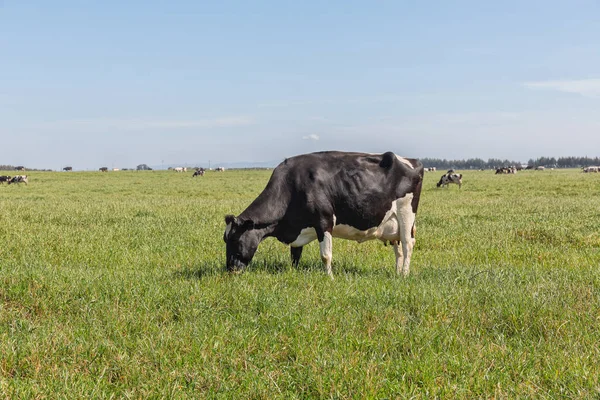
358, 188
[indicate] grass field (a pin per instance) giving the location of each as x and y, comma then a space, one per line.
112, 286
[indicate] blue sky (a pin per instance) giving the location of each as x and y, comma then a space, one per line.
118, 83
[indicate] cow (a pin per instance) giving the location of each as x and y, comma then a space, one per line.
355, 196
18, 179
220, 169
506, 170
68, 169
178, 169
103, 169
591, 169
198, 172
431, 169
540, 168
450, 177
4, 178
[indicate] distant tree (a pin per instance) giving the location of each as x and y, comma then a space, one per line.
143, 167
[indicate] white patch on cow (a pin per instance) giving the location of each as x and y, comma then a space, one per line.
227, 230
326, 247
306, 236
388, 229
405, 161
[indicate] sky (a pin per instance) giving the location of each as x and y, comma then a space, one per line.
120, 83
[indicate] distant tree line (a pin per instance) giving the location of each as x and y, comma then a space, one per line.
564, 162
471, 163
4, 167
478, 163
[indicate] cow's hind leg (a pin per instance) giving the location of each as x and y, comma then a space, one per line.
406, 225
296, 253
398, 253
326, 246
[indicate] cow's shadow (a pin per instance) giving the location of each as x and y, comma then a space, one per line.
276, 267
201, 271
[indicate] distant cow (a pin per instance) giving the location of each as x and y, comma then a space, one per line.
220, 169
68, 169
4, 178
198, 172
355, 196
431, 169
178, 169
20, 168
591, 169
540, 168
450, 177
18, 179
506, 170
103, 169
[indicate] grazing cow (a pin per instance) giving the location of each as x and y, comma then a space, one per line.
178, 169
540, 168
591, 169
4, 178
198, 172
506, 170
19, 179
68, 169
355, 196
450, 177
103, 169
220, 169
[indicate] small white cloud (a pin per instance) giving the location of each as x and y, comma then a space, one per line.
583, 87
311, 137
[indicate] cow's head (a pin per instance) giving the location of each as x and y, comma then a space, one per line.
241, 242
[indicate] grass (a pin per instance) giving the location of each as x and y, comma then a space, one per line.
112, 285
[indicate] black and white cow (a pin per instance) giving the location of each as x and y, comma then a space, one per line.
198, 172
355, 196
4, 178
506, 170
450, 177
18, 179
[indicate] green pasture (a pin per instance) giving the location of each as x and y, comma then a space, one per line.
112, 285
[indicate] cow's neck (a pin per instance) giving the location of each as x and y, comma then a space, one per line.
266, 211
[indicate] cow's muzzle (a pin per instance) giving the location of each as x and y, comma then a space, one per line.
235, 266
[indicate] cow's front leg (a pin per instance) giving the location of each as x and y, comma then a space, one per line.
296, 253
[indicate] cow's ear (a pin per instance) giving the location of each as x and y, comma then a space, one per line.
230, 219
